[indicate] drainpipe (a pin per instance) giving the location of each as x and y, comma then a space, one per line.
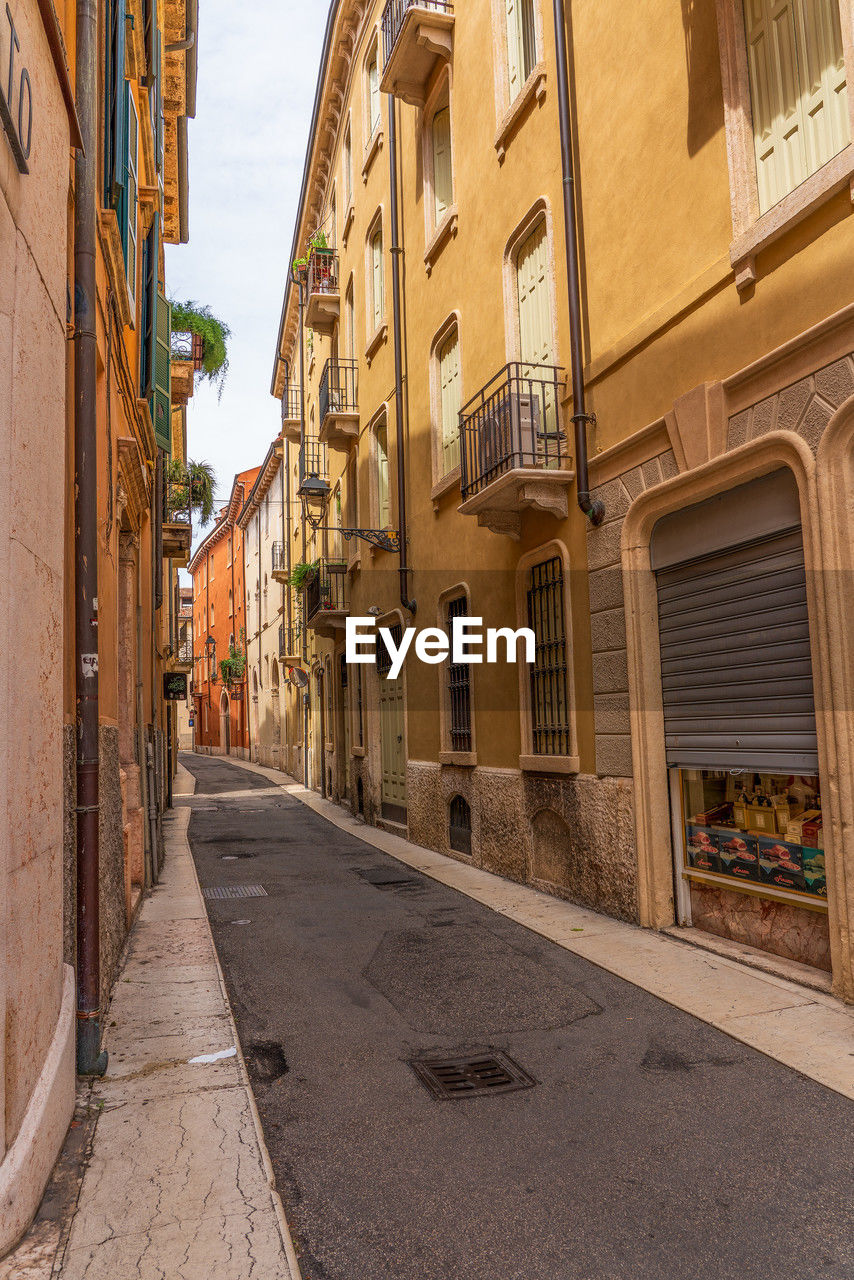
304, 635
595, 511
90, 1060
396, 254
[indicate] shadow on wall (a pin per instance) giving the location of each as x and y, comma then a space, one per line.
702, 59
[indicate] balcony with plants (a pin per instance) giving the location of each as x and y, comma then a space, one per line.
326, 594
289, 645
513, 449
199, 345
339, 404
417, 34
186, 489
317, 272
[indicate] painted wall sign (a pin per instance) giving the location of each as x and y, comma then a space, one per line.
16, 97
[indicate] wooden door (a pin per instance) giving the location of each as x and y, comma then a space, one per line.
393, 747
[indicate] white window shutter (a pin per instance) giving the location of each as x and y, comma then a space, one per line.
514, 47
532, 279
443, 196
374, 92
377, 271
449, 380
823, 86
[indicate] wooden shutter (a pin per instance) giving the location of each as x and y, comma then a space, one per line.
514, 47
148, 318
373, 93
797, 89
449, 380
535, 321
128, 204
443, 192
161, 409
383, 497
350, 323
115, 124
348, 169
377, 277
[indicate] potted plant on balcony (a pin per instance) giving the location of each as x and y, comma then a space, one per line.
190, 317
323, 264
190, 487
302, 574
233, 668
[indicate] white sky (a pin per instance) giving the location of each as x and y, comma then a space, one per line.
258, 65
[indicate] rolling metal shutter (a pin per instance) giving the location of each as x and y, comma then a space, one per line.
735, 648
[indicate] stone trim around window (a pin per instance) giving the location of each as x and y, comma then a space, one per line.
752, 231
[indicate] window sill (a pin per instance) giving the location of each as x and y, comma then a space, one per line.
354, 561
371, 151
358, 752
446, 230
445, 485
792, 209
348, 222
376, 342
534, 87
114, 260
462, 759
549, 764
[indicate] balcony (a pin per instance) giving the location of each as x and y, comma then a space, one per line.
177, 522
316, 458
323, 304
513, 450
327, 598
339, 404
416, 35
279, 566
187, 352
291, 413
184, 657
290, 649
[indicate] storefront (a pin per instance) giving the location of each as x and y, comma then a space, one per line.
740, 719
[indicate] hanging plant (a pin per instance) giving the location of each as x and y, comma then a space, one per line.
190, 317
233, 668
302, 573
192, 486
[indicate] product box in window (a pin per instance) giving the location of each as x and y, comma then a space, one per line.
702, 848
815, 880
739, 854
781, 864
718, 815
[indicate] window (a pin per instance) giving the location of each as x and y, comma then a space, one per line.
798, 91
459, 825
353, 492
360, 715
443, 187
536, 336
148, 312
550, 723
377, 278
448, 357
382, 476
521, 43
333, 222
212, 615
230, 604
348, 169
129, 201
349, 323
372, 78
459, 688
115, 106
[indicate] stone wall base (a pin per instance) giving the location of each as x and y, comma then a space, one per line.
782, 928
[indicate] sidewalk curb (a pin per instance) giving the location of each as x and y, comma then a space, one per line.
809, 1031
181, 818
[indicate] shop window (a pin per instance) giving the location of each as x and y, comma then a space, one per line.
459, 825
459, 688
549, 691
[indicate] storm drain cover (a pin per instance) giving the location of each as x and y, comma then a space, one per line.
471, 1077
391, 881
219, 891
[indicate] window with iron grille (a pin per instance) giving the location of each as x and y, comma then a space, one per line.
459, 825
459, 688
550, 727
384, 658
360, 715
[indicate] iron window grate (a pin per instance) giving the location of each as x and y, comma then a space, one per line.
459, 686
217, 892
459, 825
476, 1077
549, 689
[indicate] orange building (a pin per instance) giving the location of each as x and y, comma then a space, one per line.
220, 719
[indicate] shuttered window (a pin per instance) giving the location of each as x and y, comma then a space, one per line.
550, 726
735, 648
348, 169
450, 400
129, 198
443, 189
148, 311
115, 106
377, 278
383, 493
798, 91
373, 94
161, 407
521, 43
536, 345
350, 323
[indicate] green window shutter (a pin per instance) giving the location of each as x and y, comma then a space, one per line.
147, 326
129, 198
115, 105
161, 401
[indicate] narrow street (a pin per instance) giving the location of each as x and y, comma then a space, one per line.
650, 1144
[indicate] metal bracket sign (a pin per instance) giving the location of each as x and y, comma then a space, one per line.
174, 686
16, 100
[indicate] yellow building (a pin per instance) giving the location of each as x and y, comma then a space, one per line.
680, 750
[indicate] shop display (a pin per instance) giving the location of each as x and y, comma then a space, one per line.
761, 828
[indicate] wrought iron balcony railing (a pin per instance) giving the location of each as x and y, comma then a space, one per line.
323, 271
185, 653
316, 458
394, 14
280, 558
512, 423
291, 403
289, 641
339, 388
327, 591
189, 347
176, 502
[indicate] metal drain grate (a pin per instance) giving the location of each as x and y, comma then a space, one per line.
218, 891
472, 1077
391, 881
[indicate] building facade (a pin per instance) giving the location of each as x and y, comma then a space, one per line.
665, 757
220, 704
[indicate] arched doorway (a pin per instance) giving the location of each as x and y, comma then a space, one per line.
225, 723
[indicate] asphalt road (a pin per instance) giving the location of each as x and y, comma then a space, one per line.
651, 1146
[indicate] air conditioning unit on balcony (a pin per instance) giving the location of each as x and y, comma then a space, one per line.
507, 434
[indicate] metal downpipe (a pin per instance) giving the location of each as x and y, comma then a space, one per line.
306, 704
595, 511
90, 1059
396, 253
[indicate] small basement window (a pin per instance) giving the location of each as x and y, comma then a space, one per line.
459, 825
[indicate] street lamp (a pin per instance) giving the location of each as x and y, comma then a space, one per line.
313, 495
